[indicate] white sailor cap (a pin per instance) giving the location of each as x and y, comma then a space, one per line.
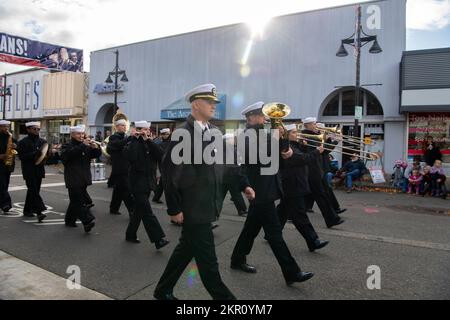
165, 130
291, 127
255, 108
310, 120
121, 121
204, 91
33, 124
5, 123
142, 124
78, 129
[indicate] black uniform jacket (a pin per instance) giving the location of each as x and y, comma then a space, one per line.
267, 188
116, 145
194, 189
29, 150
76, 157
143, 157
294, 171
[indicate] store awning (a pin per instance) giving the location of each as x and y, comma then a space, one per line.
181, 109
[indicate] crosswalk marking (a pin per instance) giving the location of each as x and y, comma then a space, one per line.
48, 185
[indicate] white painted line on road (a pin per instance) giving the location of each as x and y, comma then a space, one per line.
48, 185
45, 221
52, 224
23, 281
47, 174
363, 236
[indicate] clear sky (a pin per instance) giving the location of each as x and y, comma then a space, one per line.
96, 24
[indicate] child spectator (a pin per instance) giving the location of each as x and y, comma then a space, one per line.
415, 180
426, 181
408, 171
438, 188
398, 179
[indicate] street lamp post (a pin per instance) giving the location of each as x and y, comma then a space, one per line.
357, 41
4, 93
116, 73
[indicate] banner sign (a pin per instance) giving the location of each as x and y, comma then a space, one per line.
33, 53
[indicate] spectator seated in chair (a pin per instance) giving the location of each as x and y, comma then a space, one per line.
352, 170
426, 181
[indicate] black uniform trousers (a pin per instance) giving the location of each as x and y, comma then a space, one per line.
320, 195
143, 212
87, 197
121, 192
33, 200
309, 200
77, 208
158, 190
294, 208
5, 198
197, 241
265, 216
232, 185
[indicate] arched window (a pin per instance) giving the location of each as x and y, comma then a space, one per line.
342, 103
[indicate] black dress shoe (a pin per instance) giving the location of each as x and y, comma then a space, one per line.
28, 215
243, 267
88, 227
135, 240
301, 277
318, 244
339, 211
116, 213
338, 222
242, 213
71, 225
41, 217
214, 226
161, 243
6, 209
164, 296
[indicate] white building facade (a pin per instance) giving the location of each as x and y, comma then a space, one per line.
294, 62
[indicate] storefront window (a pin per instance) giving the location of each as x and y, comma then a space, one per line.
332, 109
348, 103
423, 125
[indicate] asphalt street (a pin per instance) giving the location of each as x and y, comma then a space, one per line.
407, 237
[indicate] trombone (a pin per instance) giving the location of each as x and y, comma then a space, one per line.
356, 141
371, 156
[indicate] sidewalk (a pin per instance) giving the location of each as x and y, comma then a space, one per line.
20, 280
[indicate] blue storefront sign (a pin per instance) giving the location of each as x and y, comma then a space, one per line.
181, 109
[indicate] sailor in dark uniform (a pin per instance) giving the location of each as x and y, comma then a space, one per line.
143, 155
29, 149
76, 156
262, 190
120, 167
193, 198
326, 165
6, 141
163, 142
315, 177
231, 178
294, 175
